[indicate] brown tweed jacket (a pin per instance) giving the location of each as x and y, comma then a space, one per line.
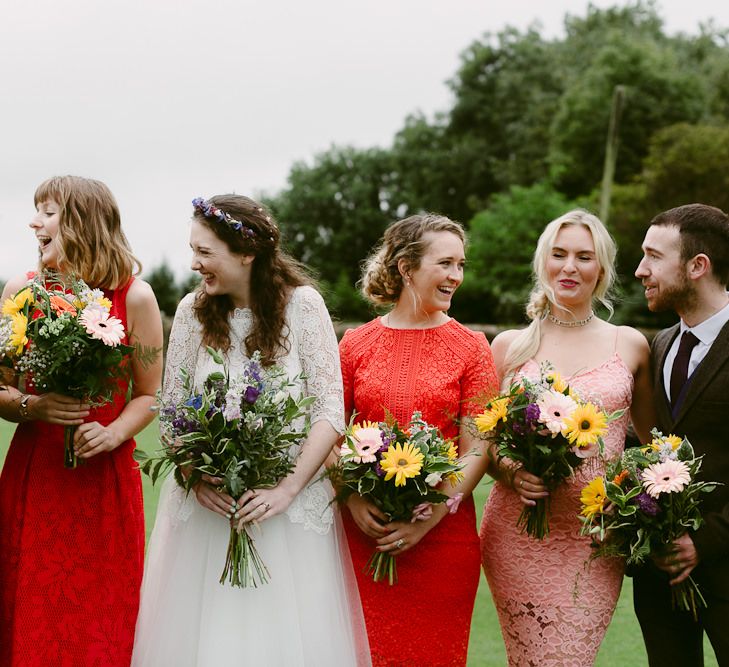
702, 415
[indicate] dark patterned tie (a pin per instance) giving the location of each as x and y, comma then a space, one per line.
679, 372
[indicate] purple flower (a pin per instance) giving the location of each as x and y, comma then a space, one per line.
531, 412
378, 470
251, 394
647, 505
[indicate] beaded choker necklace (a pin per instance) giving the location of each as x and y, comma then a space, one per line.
570, 323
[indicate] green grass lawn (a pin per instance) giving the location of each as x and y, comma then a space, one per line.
622, 645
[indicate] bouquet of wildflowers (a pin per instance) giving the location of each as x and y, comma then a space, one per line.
240, 430
545, 427
647, 498
65, 340
399, 470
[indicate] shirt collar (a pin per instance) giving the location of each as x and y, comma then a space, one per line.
709, 329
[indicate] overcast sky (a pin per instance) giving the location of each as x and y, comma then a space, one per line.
165, 100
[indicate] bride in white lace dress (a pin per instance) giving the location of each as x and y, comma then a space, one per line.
309, 612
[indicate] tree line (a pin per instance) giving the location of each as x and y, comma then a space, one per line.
523, 141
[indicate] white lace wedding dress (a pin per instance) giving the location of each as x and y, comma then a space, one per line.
309, 613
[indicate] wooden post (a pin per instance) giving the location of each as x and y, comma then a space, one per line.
611, 152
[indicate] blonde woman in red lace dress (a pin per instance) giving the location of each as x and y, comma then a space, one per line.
553, 607
417, 358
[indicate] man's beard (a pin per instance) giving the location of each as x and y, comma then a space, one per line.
678, 297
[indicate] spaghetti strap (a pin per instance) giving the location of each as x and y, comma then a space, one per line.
617, 332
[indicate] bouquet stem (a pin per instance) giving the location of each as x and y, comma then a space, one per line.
534, 519
687, 597
243, 564
382, 565
70, 460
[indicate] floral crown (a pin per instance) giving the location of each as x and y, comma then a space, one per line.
211, 211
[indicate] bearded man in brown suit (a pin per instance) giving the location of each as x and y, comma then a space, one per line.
685, 268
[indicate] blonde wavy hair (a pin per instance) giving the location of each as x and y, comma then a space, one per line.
91, 243
542, 296
381, 283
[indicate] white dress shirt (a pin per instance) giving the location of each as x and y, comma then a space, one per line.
706, 332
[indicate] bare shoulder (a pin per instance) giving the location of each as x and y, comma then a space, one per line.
633, 347
140, 294
13, 285
501, 344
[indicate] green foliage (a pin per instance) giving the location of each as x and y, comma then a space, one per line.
162, 281
503, 238
335, 210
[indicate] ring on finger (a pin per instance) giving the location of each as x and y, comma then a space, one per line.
267, 506
400, 543
521, 484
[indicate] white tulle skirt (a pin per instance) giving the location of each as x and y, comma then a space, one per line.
308, 614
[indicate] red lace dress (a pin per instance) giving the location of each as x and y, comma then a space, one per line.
71, 547
425, 618
554, 604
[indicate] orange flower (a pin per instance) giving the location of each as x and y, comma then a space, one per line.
61, 306
621, 477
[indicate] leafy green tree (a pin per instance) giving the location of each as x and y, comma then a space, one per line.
162, 281
503, 239
659, 92
334, 211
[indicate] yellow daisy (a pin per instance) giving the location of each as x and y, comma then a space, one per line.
454, 478
401, 462
18, 338
16, 303
557, 381
585, 425
495, 411
452, 451
672, 440
593, 497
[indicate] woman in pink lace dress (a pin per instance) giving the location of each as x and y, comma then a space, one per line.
554, 605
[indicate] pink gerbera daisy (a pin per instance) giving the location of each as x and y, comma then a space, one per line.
102, 326
666, 477
554, 408
367, 441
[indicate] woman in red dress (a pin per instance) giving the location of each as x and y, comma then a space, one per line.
417, 358
72, 540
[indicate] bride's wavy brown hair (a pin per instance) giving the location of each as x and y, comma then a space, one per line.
274, 274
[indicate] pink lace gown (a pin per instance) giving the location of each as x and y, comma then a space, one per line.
554, 604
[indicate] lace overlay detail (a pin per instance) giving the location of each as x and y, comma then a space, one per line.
440, 372
312, 509
554, 604
312, 352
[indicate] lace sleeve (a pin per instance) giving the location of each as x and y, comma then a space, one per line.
182, 349
319, 356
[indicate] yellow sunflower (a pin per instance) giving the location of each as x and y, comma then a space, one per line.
593, 497
16, 303
495, 411
585, 425
401, 462
18, 338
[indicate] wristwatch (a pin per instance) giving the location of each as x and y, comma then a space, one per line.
23, 409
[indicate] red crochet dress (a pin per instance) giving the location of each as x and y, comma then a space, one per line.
71, 547
424, 619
